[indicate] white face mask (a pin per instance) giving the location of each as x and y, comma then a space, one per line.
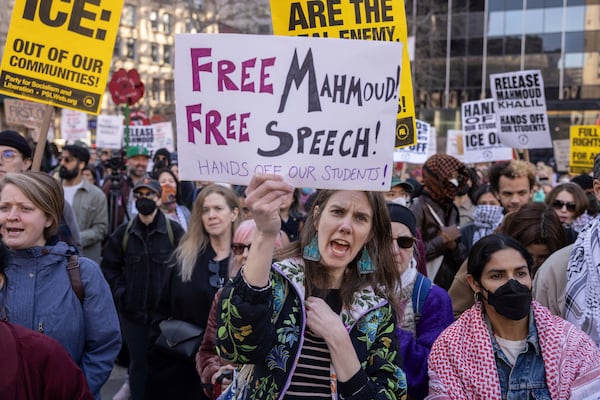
403, 201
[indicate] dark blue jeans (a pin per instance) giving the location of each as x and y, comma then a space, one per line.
136, 336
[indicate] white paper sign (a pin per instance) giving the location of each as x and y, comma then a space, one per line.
418, 153
163, 135
480, 141
109, 131
319, 112
74, 126
454, 144
521, 109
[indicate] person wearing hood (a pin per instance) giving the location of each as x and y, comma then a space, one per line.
38, 293
438, 217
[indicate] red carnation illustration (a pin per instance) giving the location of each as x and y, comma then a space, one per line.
125, 87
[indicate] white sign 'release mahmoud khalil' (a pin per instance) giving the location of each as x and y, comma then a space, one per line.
481, 142
319, 112
521, 109
418, 153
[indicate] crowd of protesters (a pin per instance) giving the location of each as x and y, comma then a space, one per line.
459, 282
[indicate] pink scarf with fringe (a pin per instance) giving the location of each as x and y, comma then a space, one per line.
462, 364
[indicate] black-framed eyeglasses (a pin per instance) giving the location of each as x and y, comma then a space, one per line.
559, 204
405, 242
8, 155
238, 248
215, 280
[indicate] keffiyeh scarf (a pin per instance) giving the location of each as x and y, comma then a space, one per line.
487, 218
582, 300
462, 364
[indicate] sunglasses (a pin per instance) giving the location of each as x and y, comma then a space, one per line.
215, 280
558, 204
405, 242
238, 248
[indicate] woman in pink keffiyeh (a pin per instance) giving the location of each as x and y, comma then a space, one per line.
507, 345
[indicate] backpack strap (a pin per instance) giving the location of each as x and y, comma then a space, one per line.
75, 276
126, 234
420, 293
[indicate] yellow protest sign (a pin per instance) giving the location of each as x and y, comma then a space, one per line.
354, 19
585, 145
59, 52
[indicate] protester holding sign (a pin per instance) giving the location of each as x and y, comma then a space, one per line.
320, 322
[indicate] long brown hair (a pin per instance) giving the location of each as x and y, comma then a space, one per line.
386, 277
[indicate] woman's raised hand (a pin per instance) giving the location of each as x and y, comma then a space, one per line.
264, 196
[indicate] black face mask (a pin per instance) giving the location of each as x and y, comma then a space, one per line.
68, 174
461, 191
145, 206
511, 300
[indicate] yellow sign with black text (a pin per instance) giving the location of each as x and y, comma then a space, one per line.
350, 19
585, 145
60, 52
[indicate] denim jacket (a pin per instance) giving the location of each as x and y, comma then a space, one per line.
527, 378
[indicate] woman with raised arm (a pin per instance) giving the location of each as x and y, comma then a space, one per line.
319, 323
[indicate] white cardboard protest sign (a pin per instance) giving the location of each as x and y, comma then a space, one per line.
521, 109
481, 142
455, 144
319, 112
74, 126
109, 131
418, 153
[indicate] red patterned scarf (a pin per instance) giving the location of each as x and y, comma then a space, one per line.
462, 364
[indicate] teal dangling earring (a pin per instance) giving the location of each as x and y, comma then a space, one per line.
365, 264
311, 252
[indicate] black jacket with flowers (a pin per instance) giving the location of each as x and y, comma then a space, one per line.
264, 331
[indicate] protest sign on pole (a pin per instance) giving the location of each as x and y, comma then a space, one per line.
520, 104
310, 109
480, 141
418, 153
163, 135
74, 126
382, 20
59, 52
585, 145
109, 131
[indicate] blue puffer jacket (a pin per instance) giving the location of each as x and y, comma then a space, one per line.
38, 295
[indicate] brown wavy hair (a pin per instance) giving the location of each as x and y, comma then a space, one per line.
386, 278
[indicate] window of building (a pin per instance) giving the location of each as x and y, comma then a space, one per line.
154, 52
167, 21
169, 90
117, 48
128, 15
155, 95
513, 22
575, 42
575, 19
574, 60
130, 48
535, 21
167, 54
552, 20
154, 20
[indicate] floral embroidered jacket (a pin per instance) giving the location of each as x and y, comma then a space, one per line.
265, 331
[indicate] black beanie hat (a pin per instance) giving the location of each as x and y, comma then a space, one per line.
15, 140
404, 216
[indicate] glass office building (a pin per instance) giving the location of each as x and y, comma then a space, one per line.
459, 43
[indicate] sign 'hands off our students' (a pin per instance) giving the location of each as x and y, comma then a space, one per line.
319, 112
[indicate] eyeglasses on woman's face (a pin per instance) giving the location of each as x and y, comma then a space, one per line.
8, 155
559, 204
238, 248
404, 242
